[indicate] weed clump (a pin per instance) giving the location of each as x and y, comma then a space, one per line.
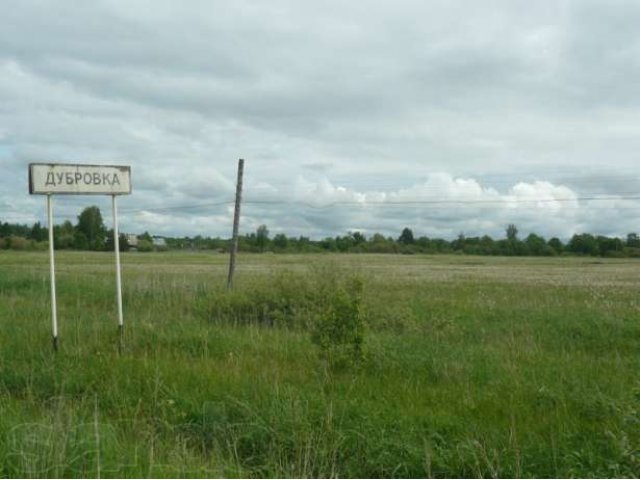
324, 302
287, 300
339, 329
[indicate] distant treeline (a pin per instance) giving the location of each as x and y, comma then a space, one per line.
90, 234
355, 242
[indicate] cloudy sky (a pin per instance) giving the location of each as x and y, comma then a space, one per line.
444, 116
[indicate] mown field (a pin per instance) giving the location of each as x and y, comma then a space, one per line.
460, 367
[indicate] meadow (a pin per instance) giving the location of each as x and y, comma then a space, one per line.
448, 366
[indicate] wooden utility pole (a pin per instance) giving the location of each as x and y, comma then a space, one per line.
236, 223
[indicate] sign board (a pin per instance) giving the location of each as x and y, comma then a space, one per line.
52, 178
62, 178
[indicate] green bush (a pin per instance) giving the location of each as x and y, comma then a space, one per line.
324, 303
286, 300
145, 246
40, 246
64, 241
18, 243
339, 330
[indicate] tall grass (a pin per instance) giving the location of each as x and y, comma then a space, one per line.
470, 368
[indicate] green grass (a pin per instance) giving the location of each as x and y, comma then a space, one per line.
473, 367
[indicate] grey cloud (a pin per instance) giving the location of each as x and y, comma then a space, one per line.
373, 97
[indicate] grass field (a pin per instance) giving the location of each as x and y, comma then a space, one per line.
473, 367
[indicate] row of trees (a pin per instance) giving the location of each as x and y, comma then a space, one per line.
406, 242
90, 234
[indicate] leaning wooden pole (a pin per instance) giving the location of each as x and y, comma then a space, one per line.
236, 223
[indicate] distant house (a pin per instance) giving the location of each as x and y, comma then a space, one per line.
159, 241
133, 240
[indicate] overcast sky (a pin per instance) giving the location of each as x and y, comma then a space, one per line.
444, 116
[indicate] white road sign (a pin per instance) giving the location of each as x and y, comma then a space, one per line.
52, 178
62, 178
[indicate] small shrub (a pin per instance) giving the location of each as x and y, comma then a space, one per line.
40, 246
286, 300
325, 302
145, 246
63, 241
339, 330
18, 243
3, 243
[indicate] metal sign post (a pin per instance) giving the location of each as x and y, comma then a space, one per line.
65, 179
116, 243
52, 268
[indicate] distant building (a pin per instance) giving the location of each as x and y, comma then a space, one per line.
159, 241
133, 240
